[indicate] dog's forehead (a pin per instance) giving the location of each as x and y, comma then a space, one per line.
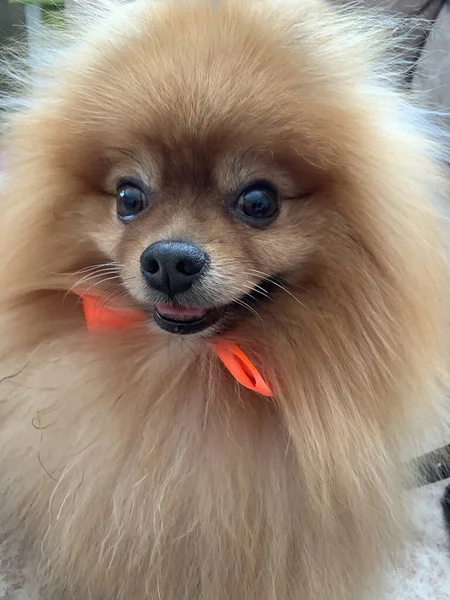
191, 72
191, 124
197, 86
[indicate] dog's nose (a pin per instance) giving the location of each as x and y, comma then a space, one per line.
171, 267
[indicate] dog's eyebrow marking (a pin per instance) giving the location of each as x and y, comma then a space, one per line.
126, 151
129, 153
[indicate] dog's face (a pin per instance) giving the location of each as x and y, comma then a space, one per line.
205, 231
205, 165
218, 167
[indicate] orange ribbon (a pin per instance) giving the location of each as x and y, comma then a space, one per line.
99, 317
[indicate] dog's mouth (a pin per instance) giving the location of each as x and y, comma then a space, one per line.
185, 320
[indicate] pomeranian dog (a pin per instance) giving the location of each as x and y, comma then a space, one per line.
240, 175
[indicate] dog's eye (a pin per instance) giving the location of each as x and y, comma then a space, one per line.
258, 204
131, 200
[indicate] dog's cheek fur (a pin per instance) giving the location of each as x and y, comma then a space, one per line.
141, 477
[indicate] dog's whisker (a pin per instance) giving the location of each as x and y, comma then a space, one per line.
271, 276
112, 265
106, 298
110, 294
250, 296
257, 289
260, 290
101, 282
249, 308
245, 305
104, 293
99, 273
89, 277
275, 282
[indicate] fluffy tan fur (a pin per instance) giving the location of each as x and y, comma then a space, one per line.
133, 463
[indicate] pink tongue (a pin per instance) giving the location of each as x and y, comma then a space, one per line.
180, 312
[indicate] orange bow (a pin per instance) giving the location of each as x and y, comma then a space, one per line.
235, 360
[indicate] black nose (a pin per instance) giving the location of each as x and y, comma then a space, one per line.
172, 267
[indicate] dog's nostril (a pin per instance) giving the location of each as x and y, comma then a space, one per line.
152, 267
190, 267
